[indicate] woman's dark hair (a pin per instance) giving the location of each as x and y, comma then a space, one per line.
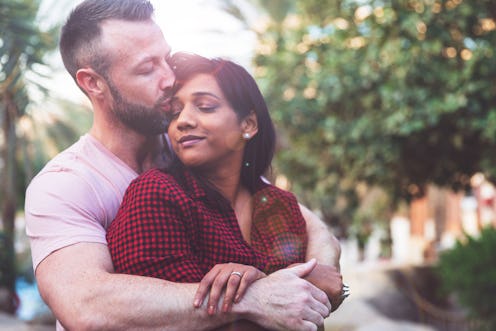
244, 96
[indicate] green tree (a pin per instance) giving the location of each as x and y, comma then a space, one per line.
22, 48
396, 94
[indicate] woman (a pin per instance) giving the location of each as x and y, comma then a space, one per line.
209, 216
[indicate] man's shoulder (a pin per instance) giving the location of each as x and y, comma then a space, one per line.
67, 159
62, 165
89, 162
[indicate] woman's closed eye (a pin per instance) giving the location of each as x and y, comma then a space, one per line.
206, 108
175, 110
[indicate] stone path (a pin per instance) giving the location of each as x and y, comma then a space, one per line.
357, 313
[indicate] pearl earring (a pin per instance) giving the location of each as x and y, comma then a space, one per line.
246, 136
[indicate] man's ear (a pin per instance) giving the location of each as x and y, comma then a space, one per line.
250, 124
91, 82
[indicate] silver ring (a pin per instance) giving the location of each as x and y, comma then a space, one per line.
345, 291
237, 273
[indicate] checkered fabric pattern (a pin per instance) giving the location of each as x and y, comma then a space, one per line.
165, 231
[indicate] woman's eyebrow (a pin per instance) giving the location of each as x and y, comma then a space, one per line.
200, 94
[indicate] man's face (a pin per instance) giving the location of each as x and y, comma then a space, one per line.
142, 119
139, 78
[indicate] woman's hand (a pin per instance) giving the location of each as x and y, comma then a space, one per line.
233, 277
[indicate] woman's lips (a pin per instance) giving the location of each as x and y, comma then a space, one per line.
189, 140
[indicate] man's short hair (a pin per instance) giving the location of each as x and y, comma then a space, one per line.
80, 35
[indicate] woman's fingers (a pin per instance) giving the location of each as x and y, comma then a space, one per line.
231, 278
248, 278
216, 291
233, 283
204, 286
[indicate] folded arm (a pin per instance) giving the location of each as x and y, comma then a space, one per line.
323, 246
78, 284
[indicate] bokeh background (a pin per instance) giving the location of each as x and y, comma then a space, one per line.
386, 120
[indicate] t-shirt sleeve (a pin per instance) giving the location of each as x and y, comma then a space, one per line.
152, 232
61, 209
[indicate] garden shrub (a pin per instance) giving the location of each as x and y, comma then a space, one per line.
469, 272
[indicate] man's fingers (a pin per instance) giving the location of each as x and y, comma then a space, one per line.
322, 308
304, 269
315, 318
319, 295
309, 326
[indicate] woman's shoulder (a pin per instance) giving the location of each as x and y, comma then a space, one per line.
156, 180
266, 188
155, 175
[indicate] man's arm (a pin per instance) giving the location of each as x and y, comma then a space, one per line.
323, 246
78, 284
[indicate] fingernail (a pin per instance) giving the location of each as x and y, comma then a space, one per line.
211, 310
236, 299
197, 303
225, 308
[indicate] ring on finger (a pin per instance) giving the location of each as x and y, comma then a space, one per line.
237, 273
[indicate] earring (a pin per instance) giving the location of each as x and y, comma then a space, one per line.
246, 136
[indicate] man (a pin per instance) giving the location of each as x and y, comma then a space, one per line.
118, 57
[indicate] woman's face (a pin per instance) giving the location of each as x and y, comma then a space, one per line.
204, 130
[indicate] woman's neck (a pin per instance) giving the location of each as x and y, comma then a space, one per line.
239, 197
227, 183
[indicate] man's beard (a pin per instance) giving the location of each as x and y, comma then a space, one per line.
148, 121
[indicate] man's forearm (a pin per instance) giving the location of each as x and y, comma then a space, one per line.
146, 303
323, 246
78, 285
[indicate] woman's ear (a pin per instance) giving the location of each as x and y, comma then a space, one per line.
249, 125
91, 82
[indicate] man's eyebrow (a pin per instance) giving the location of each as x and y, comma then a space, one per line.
151, 58
144, 60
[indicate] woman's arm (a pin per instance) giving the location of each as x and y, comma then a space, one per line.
151, 234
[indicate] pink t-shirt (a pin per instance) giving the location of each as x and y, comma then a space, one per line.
75, 197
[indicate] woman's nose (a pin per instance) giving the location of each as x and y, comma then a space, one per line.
186, 118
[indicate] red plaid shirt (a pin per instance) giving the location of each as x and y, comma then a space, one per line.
165, 231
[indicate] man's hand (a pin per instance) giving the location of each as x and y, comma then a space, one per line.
328, 279
285, 301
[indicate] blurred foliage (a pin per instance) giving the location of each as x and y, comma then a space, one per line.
22, 47
28, 129
469, 271
395, 94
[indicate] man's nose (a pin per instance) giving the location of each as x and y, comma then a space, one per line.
167, 77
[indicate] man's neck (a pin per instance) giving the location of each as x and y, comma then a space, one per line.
137, 151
